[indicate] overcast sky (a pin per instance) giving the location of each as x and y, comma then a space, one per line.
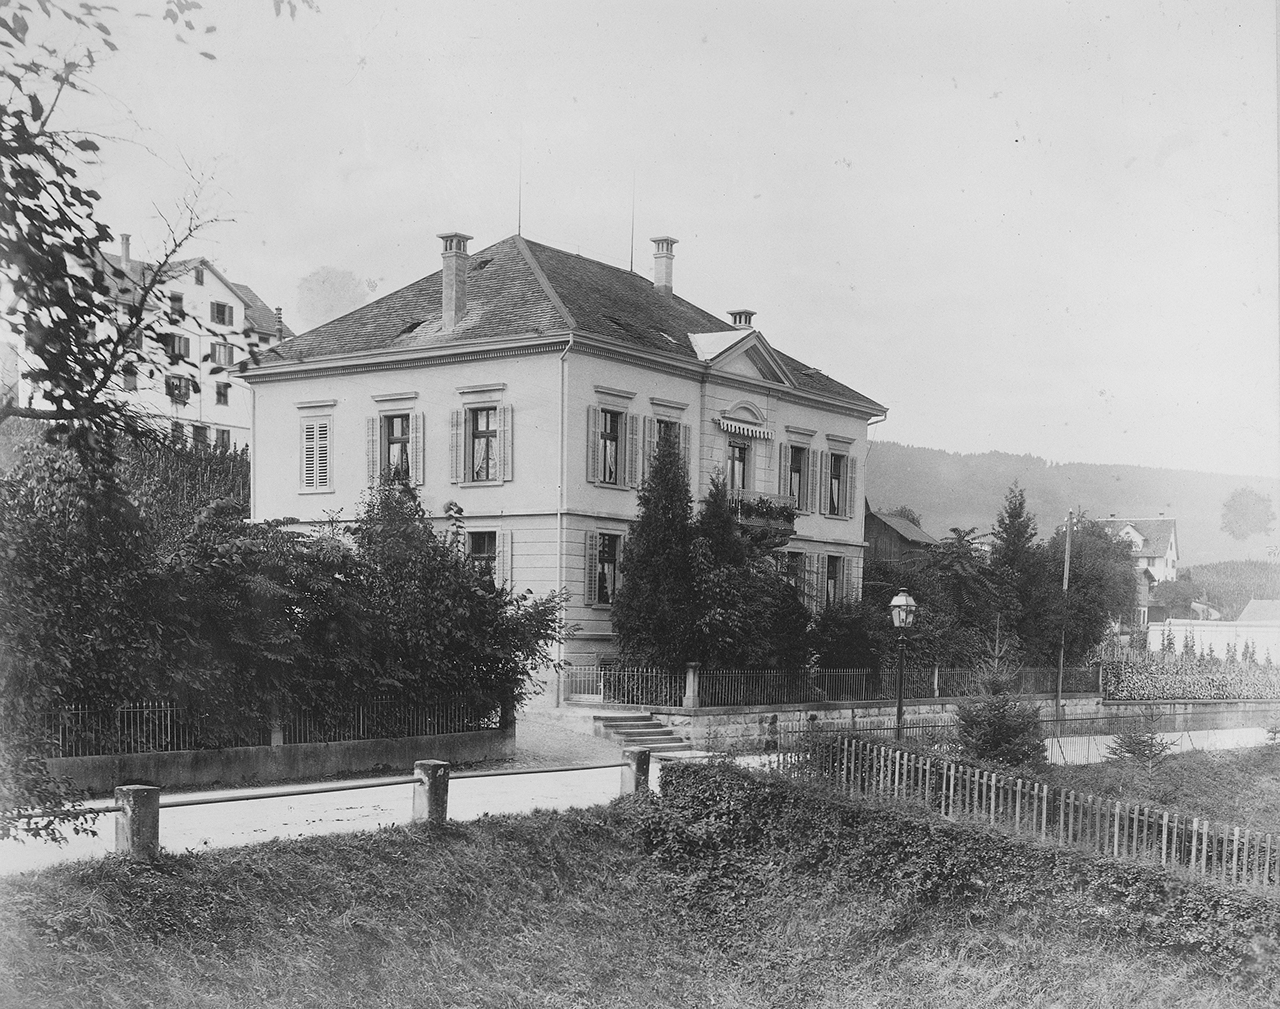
1040, 227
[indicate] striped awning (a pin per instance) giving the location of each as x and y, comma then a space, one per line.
743, 428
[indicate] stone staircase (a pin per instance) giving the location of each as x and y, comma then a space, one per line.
641, 729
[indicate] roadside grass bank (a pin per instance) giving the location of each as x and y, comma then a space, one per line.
1235, 786
641, 903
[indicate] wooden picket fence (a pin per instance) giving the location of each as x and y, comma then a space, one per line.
1022, 805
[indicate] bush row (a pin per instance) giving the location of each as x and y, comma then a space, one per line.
713, 816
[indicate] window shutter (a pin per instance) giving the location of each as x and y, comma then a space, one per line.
309, 454
622, 546
823, 560
849, 589
685, 442
633, 449
231, 315
322, 454
824, 482
650, 445
416, 425
593, 444
371, 450
811, 580
810, 481
592, 560
504, 442
784, 467
850, 484
455, 446
503, 562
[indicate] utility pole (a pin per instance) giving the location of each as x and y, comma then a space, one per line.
1062, 647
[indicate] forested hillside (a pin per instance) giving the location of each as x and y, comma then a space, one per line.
950, 489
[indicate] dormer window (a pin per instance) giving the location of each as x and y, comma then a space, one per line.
199, 276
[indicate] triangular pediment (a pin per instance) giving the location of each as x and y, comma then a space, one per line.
752, 357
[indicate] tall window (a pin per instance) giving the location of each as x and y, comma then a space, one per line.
222, 314
200, 276
315, 453
177, 388
668, 429
484, 437
222, 439
610, 426
737, 465
796, 471
395, 447
199, 436
793, 567
483, 548
129, 375
223, 393
221, 353
834, 571
175, 303
607, 567
177, 432
179, 346
836, 502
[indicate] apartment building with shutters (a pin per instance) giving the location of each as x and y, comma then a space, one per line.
531, 385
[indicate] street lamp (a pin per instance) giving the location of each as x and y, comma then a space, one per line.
903, 610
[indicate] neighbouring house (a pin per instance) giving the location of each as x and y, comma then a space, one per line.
216, 409
530, 385
1155, 558
1260, 611
894, 539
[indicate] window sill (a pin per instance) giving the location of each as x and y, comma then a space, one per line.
599, 606
481, 483
317, 490
841, 518
610, 486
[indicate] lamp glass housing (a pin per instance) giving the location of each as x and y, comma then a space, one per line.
903, 610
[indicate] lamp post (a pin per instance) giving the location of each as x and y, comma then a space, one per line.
903, 610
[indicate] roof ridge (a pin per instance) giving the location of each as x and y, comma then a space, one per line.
579, 255
530, 260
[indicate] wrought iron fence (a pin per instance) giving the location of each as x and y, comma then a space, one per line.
165, 726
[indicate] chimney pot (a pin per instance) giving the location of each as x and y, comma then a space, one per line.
453, 278
124, 251
663, 262
741, 318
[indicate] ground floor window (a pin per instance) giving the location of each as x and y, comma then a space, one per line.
483, 548
607, 567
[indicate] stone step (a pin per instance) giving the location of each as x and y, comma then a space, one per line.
633, 726
645, 732
630, 716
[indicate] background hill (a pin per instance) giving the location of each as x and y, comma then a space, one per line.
952, 489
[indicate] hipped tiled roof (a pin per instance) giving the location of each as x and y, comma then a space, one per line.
516, 288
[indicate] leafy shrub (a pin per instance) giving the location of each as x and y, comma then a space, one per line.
713, 817
1003, 728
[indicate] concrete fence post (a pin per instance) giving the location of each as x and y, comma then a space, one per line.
635, 774
691, 685
138, 821
431, 791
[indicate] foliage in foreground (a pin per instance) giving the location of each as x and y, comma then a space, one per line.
712, 816
237, 621
1004, 728
550, 909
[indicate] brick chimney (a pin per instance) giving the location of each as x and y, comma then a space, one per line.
741, 318
453, 278
279, 324
663, 259
124, 253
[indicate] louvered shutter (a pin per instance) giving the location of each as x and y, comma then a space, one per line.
824, 483
650, 445
811, 580
591, 574
784, 468
850, 484
371, 450
823, 564
502, 564
504, 442
456, 442
593, 444
617, 581
686, 438
849, 591
417, 425
633, 449
322, 453
309, 455
810, 482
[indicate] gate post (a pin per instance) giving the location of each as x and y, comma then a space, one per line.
431, 791
691, 685
138, 821
635, 773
